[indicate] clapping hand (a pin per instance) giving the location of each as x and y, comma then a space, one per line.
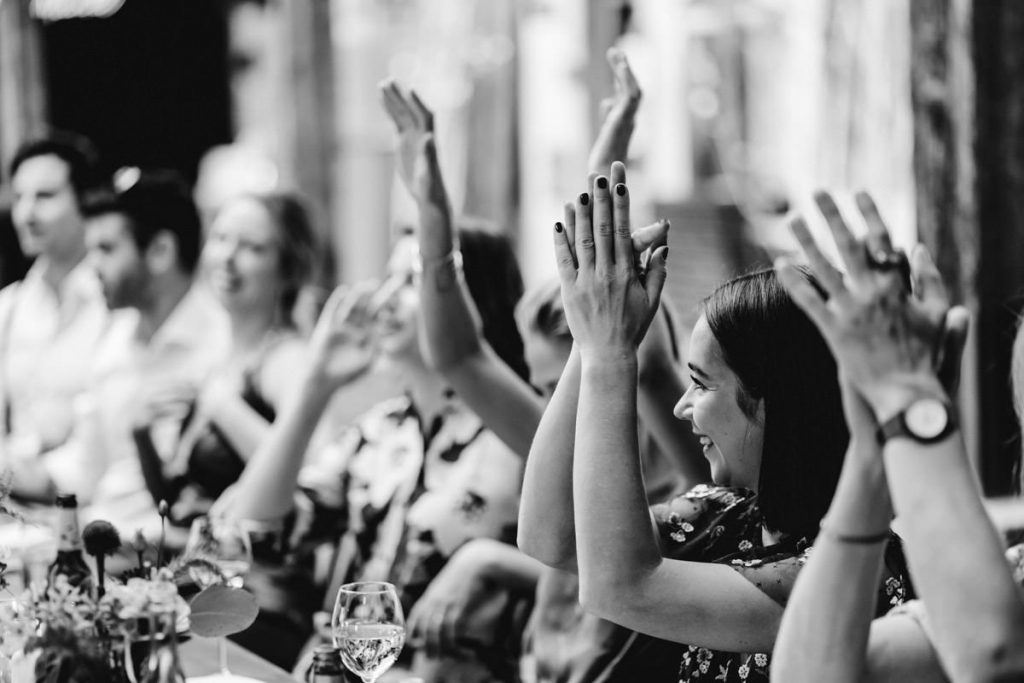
618, 113
417, 155
884, 336
342, 346
609, 298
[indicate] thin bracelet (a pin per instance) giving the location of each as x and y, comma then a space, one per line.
855, 539
453, 258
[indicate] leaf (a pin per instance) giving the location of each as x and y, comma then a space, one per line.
220, 611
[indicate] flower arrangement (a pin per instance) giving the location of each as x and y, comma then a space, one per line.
70, 635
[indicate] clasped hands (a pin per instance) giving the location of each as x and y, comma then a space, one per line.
611, 278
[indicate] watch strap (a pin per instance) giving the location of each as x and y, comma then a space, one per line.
896, 426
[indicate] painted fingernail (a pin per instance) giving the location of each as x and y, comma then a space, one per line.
602, 182
558, 227
620, 190
584, 199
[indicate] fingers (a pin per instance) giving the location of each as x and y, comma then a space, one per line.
625, 81
396, 106
830, 279
584, 232
878, 235
957, 325
657, 273
617, 173
423, 115
650, 236
804, 295
563, 256
604, 227
569, 212
623, 244
927, 280
850, 250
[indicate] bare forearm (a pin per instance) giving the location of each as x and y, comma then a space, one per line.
243, 427
507, 566
546, 525
825, 628
611, 511
956, 557
266, 488
659, 392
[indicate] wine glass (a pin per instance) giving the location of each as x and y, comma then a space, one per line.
368, 627
225, 544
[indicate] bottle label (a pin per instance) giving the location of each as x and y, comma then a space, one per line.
68, 536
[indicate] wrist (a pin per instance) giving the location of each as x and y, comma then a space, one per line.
891, 397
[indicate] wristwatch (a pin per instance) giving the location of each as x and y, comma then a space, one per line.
927, 420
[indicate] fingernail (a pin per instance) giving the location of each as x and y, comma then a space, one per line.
602, 182
620, 190
584, 199
665, 257
558, 227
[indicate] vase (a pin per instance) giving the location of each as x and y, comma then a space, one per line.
162, 663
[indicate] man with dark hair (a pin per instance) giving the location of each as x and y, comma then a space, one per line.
165, 336
54, 317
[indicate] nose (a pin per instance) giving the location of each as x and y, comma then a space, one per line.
684, 408
22, 210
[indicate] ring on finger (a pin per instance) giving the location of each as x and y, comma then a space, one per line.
883, 261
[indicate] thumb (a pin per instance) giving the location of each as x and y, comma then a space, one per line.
657, 272
957, 324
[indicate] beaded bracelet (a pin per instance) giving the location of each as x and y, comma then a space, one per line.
855, 539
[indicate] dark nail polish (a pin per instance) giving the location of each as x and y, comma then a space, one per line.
584, 199
620, 190
558, 227
602, 183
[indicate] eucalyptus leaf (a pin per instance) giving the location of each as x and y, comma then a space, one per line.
220, 611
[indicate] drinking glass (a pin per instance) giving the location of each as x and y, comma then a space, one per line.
225, 544
368, 627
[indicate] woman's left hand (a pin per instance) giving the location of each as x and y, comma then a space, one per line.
417, 154
883, 335
609, 300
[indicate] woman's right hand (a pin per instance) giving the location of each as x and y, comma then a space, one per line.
417, 155
342, 348
887, 341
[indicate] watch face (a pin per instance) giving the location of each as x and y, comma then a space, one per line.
926, 418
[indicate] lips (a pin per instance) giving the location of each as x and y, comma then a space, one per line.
705, 441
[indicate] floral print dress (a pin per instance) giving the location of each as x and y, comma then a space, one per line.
724, 526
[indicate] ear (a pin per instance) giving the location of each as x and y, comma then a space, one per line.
162, 253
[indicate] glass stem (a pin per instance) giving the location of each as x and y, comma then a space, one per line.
222, 651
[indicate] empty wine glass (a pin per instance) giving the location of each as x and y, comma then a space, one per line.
368, 627
225, 544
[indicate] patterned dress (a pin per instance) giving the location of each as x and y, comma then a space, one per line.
724, 526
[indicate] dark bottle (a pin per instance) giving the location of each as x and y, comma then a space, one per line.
326, 666
70, 561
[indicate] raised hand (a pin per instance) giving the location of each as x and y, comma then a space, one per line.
618, 113
417, 155
883, 334
342, 347
608, 302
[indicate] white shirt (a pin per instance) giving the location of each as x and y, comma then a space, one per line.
46, 343
100, 462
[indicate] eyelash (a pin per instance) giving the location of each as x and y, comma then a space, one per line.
700, 385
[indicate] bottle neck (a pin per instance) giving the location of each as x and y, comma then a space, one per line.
68, 537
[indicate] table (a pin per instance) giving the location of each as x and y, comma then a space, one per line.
199, 658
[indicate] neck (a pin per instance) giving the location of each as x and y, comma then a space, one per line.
427, 389
249, 329
168, 294
55, 269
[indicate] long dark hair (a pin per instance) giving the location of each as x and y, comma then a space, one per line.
780, 357
496, 285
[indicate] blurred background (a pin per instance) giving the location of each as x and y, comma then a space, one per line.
748, 107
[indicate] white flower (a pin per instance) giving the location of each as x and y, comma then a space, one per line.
761, 659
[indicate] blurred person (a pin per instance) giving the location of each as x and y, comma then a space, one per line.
898, 348
712, 575
258, 256
415, 477
55, 316
165, 336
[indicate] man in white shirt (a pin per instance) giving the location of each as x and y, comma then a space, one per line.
50, 322
167, 334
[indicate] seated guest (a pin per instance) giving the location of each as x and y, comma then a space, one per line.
53, 318
164, 337
415, 477
714, 572
259, 254
969, 623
